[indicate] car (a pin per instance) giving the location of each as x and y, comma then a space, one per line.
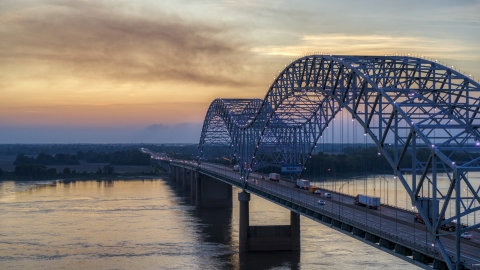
466, 235
328, 195
321, 202
318, 192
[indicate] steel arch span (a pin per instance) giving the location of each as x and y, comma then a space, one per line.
406, 105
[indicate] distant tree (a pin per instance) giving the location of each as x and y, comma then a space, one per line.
132, 157
99, 171
1, 172
45, 159
31, 170
107, 169
66, 159
66, 171
22, 159
51, 171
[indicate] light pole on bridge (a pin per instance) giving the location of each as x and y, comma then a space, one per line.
383, 177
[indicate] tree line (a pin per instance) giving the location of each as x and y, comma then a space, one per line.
36, 167
127, 157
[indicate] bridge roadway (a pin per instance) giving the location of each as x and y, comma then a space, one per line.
394, 224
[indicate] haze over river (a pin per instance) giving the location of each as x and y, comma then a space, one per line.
150, 224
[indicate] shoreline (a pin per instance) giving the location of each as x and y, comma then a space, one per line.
92, 178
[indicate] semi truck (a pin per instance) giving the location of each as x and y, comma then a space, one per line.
304, 184
367, 201
274, 177
449, 226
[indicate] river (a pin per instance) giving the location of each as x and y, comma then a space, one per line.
149, 224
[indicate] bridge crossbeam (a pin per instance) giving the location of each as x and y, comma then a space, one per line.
408, 106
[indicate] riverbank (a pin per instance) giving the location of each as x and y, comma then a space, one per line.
88, 177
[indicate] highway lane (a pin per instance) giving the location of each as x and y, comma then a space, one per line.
387, 221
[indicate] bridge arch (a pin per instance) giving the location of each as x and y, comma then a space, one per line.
403, 103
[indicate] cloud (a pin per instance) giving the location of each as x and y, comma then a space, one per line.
364, 44
107, 40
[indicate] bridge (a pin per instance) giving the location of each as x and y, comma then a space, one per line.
421, 117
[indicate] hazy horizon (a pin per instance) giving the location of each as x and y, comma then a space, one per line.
155, 133
123, 71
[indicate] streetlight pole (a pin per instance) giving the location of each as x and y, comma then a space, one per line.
387, 186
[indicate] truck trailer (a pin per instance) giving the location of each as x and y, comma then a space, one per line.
304, 184
367, 201
274, 177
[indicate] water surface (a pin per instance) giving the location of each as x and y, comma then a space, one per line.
150, 224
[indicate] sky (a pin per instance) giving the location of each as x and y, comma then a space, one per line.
105, 71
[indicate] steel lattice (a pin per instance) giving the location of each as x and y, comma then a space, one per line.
404, 104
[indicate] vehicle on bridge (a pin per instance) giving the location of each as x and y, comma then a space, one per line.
321, 202
466, 235
419, 219
274, 177
368, 201
314, 189
451, 226
235, 168
303, 184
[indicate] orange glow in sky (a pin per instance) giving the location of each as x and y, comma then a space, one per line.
131, 65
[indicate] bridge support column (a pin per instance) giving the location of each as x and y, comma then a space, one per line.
347, 227
188, 179
336, 223
358, 232
420, 257
266, 238
439, 265
244, 198
212, 193
172, 172
387, 244
403, 250
372, 238
178, 179
193, 186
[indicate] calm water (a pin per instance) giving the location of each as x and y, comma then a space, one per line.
149, 224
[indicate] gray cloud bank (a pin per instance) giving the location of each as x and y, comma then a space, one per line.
108, 40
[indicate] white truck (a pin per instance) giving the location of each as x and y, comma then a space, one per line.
367, 201
274, 177
304, 184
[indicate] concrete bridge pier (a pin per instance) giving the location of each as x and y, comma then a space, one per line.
403, 250
187, 180
173, 170
420, 257
439, 265
211, 193
266, 238
193, 185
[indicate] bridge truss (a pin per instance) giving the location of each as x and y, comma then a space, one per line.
409, 107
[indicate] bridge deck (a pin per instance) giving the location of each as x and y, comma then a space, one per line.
393, 224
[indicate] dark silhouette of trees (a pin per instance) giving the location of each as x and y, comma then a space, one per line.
107, 169
46, 159
66, 171
133, 157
